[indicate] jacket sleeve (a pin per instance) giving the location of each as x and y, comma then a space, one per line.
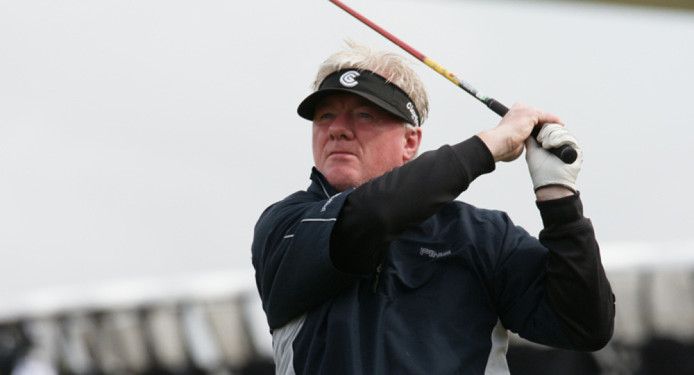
554, 290
577, 286
290, 254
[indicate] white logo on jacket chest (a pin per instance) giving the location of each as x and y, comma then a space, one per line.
433, 253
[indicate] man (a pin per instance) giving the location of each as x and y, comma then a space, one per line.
375, 269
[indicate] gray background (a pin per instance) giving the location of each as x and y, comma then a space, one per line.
143, 139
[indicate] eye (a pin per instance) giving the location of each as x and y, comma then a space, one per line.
324, 116
364, 115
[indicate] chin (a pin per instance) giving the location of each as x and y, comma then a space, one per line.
342, 180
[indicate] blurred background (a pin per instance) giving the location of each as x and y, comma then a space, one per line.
140, 141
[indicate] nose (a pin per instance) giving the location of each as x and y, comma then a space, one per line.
341, 128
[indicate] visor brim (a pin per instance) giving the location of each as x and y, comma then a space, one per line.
307, 107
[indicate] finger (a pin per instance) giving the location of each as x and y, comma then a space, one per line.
549, 118
531, 145
549, 130
554, 135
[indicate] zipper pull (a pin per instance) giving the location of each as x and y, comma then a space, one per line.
378, 275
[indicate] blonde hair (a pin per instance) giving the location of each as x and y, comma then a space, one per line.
388, 65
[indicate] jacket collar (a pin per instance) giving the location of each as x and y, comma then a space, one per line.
320, 185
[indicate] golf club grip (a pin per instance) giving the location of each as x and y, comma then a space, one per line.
566, 153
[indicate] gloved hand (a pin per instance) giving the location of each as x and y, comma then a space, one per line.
545, 168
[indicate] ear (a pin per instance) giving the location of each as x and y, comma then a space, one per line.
413, 137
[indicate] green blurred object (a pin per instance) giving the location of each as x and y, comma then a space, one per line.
673, 4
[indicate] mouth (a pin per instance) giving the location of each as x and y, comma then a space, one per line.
340, 154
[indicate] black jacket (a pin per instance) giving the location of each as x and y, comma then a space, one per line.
397, 277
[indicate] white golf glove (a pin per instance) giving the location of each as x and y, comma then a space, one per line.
547, 169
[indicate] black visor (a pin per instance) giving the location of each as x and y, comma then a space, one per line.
369, 86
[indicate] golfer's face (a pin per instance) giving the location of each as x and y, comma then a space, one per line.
355, 141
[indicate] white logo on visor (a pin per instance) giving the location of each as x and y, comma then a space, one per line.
413, 113
348, 79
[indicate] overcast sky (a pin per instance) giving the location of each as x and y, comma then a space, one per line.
144, 138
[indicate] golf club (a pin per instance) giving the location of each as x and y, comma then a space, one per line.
566, 153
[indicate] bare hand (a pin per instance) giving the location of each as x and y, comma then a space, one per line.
506, 140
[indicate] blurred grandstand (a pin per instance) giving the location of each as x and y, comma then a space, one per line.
214, 324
